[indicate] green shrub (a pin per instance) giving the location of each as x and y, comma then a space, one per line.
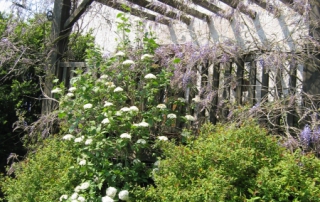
43, 176
231, 163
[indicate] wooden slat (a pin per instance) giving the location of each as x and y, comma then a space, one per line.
72, 64
264, 83
240, 71
160, 10
209, 6
186, 9
77, 13
227, 88
243, 8
215, 87
133, 11
252, 82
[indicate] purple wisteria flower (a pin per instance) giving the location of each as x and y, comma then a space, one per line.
305, 135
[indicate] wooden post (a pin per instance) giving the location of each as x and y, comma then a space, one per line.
252, 82
240, 71
61, 28
215, 86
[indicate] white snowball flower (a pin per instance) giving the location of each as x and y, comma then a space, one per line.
163, 138
87, 106
88, 141
111, 192
196, 99
125, 135
70, 95
84, 185
125, 109
68, 137
104, 76
136, 161
161, 106
81, 199
128, 62
134, 109
74, 201
82, 162
150, 76
56, 90
120, 53
171, 116
74, 196
77, 189
105, 121
190, 118
118, 89
124, 195
63, 197
107, 199
72, 89
143, 124
181, 99
141, 141
118, 113
110, 84
107, 104
79, 139
145, 56
157, 163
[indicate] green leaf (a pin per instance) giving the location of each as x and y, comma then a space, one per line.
176, 60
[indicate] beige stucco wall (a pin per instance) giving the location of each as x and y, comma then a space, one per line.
284, 32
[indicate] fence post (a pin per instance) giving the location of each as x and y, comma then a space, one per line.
215, 87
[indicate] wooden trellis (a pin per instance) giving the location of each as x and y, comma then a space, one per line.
64, 19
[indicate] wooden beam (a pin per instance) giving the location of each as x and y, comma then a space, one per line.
133, 11
209, 6
243, 8
170, 14
186, 9
77, 13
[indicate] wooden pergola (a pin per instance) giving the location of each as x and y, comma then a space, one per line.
64, 19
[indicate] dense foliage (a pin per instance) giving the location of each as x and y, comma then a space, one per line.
44, 175
233, 163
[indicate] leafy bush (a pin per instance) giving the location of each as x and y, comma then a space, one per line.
231, 163
44, 175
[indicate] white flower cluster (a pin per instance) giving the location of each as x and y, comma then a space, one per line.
190, 118
141, 141
118, 89
128, 62
111, 193
162, 138
87, 106
120, 53
146, 56
128, 109
125, 136
68, 137
107, 104
150, 76
143, 124
171, 116
161, 106
56, 90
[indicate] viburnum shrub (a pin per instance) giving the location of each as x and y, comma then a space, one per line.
113, 116
230, 162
